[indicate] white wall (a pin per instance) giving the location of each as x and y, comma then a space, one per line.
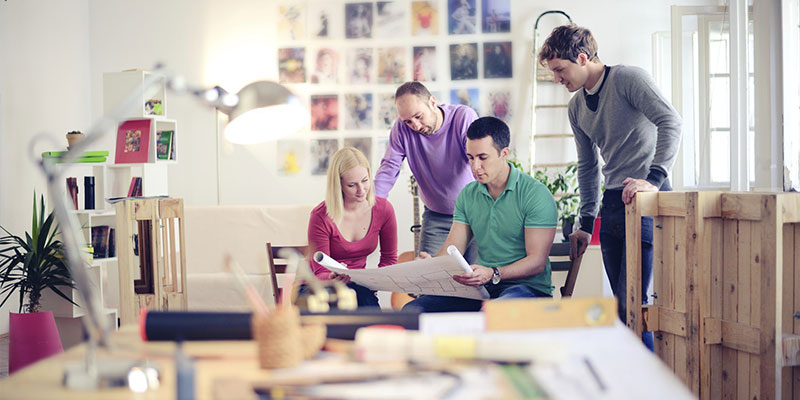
44, 88
53, 55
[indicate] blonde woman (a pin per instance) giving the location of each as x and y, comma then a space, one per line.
351, 222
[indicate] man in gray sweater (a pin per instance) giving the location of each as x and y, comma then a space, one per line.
619, 111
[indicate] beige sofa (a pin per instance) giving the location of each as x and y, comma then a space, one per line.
242, 231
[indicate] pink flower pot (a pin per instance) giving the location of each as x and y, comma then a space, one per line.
31, 337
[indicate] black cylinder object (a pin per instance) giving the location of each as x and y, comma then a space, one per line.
88, 192
180, 325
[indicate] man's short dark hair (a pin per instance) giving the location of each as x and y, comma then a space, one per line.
490, 126
415, 88
566, 42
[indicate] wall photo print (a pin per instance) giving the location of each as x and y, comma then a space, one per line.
391, 65
425, 64
291, 22
364, 144
391, 19
325, 112
358, 111
424, 18
500, 104
461, 18
358, 20
321, 152
387, 112
463, 61
326, 66
359, 65
467, 96
497, 60
290, 156
291, 65
325, 20
496, 16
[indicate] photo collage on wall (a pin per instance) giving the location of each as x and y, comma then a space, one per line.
346, 58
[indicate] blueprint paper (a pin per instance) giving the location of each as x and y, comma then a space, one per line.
428, 276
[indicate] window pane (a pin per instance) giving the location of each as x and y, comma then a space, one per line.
718, 60
720, 157
751, 155
719, 102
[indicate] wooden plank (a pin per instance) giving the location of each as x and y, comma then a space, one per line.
125, 261
648, 203
791, 209
742, 206
182, 268
658, 268
694, 233
743, 311
633, 292
667, 288
713, 251
732, 335
730, 260
173, 252
710, 204
524, 314
144, 209
659, 319
796, 270
170, 208
787, 302
771, 285
755, 305
679, 289
790, 350
672, 204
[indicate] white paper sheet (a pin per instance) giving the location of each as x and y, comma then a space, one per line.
428, 276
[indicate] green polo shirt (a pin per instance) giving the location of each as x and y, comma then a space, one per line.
499, 225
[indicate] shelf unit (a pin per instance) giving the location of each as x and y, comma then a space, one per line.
113, 180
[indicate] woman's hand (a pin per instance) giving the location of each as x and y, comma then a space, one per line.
344, 278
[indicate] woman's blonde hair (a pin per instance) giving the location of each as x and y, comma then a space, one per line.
342, 161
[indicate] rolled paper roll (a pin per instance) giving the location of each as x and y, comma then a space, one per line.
327, 262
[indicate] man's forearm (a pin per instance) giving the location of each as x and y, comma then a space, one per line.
523, 268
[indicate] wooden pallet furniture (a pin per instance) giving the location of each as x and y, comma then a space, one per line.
726, 282
155, 278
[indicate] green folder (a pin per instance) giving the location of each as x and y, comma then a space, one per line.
59, 154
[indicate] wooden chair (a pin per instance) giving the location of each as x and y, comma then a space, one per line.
559, 261
277, 267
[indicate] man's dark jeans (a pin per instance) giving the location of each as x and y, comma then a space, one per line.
612, 245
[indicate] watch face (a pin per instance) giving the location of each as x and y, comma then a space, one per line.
495, 276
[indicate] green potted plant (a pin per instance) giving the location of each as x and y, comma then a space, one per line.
563, 185
28, 265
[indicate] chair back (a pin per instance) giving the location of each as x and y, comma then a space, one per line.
560, 261
277, 267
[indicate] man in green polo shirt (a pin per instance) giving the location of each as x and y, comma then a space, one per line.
513, 219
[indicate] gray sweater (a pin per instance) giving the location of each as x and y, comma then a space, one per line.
635, 129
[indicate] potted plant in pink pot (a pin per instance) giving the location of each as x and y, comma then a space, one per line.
29, 265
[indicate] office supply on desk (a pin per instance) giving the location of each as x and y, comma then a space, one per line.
193, 325
424, 276
540, 313
256, 302
280, 344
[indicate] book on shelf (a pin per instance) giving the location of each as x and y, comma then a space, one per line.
112, 243
135, 189
100, 239
164, 144
133, 141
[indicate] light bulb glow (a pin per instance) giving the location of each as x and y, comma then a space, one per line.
267, 123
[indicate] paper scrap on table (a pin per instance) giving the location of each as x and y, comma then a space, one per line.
428, 276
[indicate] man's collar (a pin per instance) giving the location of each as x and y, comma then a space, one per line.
511, 184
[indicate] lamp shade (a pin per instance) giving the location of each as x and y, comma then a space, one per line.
265, 111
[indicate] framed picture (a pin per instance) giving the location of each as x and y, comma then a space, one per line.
424, 18
358, 111
465, 96
133, 141
497, 60
425, 63
461, 18
496, 16
463, 61
358, 18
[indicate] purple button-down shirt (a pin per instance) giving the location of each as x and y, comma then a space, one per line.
439, 161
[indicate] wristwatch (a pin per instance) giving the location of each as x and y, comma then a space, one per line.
495, 276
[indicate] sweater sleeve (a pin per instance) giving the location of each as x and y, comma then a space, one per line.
388, 236
643, 94
392, 160
319, 239
589, 174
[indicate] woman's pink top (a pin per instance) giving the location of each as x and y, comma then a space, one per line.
324, 236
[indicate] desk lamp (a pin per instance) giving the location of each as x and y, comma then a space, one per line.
259, 112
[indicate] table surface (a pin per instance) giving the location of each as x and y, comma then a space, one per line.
601, 362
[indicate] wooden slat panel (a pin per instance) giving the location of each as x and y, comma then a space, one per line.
732, 335
787, 299
633, 291
679, 289
648, 203
742, 206
125, 261
672, 204
715, 250
144, 209
791, 209
667, 285
730, 260
755, 305
710, 204
170, 208
658, 281
694, 240
796, 269
771, 283
664, 320
743, 301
